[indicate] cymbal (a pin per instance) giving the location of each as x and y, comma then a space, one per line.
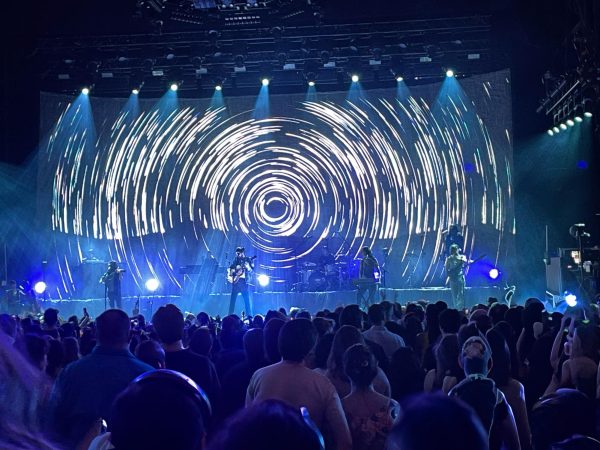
308, 264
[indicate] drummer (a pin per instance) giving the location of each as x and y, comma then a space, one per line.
326, 258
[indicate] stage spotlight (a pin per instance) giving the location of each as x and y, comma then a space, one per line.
494, 273
311, 83
556, 130
263, 280
570, 123
563, 126
587, 107
571, 299
85, 91
265, 81
39, 287
152, 284
355, 78
135, 91
578, 119
218, 87
450, 73
399, 79
550, 132
174, 86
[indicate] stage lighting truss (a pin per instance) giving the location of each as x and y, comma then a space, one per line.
574, 93
569, 111
293, 56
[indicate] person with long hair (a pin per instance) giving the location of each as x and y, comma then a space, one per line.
405, 374
581, 356
447, 372
512, 389
344, 338
370, 415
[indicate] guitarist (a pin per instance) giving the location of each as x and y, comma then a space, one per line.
455, 269
238, 270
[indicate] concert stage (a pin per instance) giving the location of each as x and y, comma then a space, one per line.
218, 304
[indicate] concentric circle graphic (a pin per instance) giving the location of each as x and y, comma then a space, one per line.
380, 172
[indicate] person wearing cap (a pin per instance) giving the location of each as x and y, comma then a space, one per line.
238, 272
480, 392
455, 269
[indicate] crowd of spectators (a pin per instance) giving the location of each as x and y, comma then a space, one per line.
398, 377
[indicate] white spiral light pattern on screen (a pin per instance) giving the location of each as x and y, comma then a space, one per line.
365, 171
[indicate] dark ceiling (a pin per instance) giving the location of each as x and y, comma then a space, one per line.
530, 33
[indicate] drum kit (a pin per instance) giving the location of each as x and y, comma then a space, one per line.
327, 277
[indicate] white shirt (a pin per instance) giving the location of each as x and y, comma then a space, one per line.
382, 336
295, 384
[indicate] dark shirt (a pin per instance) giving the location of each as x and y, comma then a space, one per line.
235, 385
199, 368
86, 389
487, 401
540, 369
113, 282
367, 267
226, 358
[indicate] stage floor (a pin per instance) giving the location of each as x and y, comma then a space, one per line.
218, 304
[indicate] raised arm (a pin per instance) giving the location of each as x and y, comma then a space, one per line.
557, 346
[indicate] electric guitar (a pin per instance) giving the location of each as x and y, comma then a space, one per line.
456, 270
235, 273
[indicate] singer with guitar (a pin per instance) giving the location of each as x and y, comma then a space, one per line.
238, 273
455, 269
112, 285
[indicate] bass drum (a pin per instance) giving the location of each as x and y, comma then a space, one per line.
317, 281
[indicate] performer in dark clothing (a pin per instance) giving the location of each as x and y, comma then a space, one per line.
454, 237
112, 282
13, 299
455, 269
239, 270
366, 278
326, 257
